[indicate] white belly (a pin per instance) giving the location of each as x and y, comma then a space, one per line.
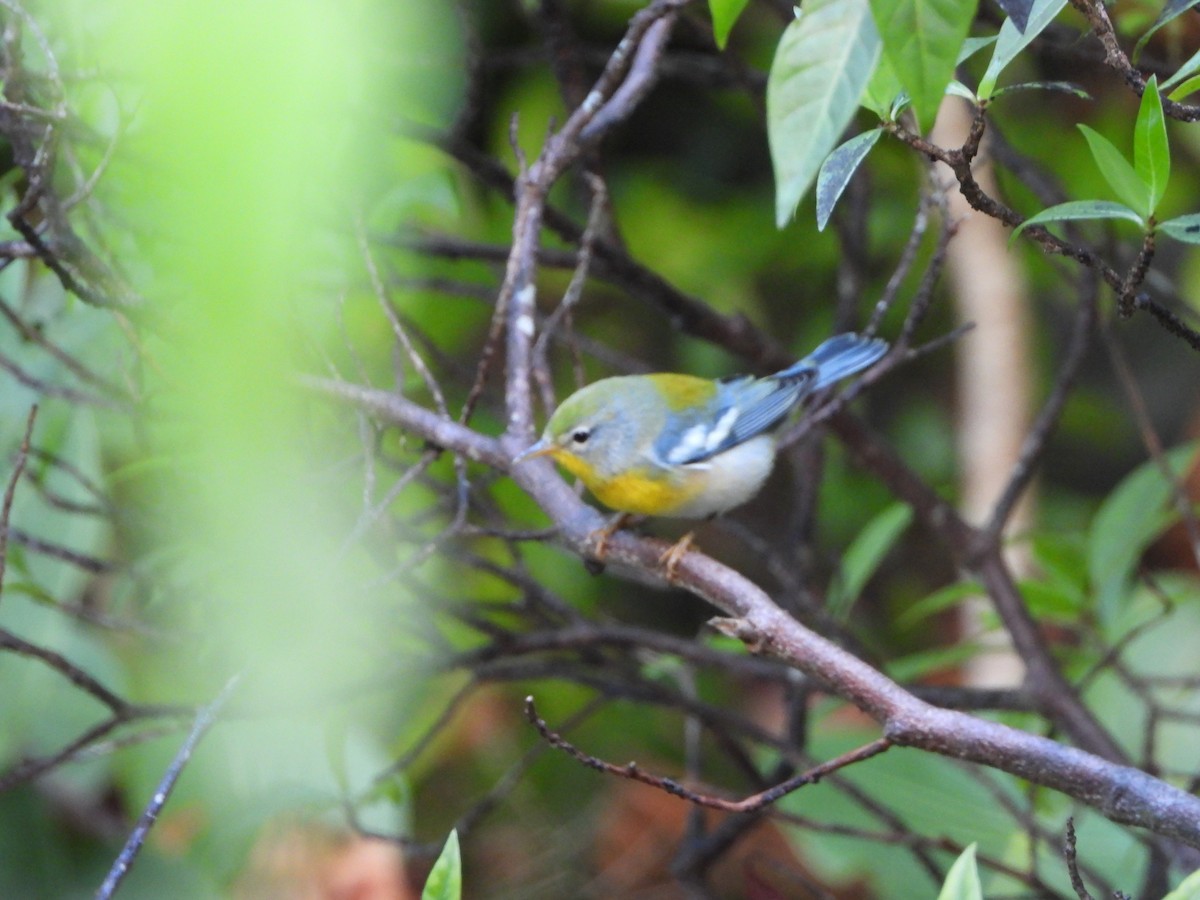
730, 478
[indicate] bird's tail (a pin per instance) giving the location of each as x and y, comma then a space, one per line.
841, 355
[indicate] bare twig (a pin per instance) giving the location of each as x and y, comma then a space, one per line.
752, 803
1077, 884
125, 859
11, 491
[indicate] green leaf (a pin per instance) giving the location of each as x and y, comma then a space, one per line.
1011, 41
865, 553
923, 663
1189, 888
1126, 183
958, 89
1188, 87
1182, 228
973, 45
962, 881
1130, 517
1077, 210
1048, 600
725, 14
1171, 10
1062, 87
821, 67
939, 600
882, 90
922, 39
837, 170
445, 879
1151, 152
1192, 64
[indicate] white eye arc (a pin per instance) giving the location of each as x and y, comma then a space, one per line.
581, 435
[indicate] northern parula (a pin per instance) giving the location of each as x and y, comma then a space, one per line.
682, 446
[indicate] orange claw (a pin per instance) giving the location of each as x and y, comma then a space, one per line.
603, 535
674, 556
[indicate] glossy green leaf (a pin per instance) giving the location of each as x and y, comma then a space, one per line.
1124, 180
1012, 41
445, 879
962, 881
1151, 152
1189, 888
725, 14
821, 67
922, 39
837, 170
865, 553
1079, 210
1183, 228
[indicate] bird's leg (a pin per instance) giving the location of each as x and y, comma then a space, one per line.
673, 556
603, 535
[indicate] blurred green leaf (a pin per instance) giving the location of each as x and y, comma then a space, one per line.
1080, 210
1124, 180
1052, 600
864, 555
1188, 87
822, 65
1171, 10
1189, 888
837, 170
923, 39
962, 881
1151, 151
1012, 41
940, 600
725, 14
1063, 558
1132, 515
445, 880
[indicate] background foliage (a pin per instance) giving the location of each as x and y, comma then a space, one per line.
203, 203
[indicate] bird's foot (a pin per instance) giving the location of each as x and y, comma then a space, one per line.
674, 556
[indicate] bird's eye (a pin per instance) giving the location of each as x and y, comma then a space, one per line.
580, 435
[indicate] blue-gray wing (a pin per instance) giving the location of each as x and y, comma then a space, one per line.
745, 407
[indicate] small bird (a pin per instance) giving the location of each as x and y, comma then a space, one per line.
686, 447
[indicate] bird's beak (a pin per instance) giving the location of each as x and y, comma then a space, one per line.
541, 448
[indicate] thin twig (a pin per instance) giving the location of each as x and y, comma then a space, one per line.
752, 803
205, 719
1081, 890
11, 491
